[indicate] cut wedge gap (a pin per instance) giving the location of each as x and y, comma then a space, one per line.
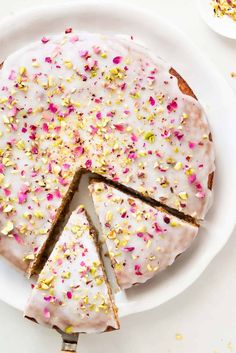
84, 197
148, 200
78, 194
62, 217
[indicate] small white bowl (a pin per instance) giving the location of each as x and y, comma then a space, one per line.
221, 25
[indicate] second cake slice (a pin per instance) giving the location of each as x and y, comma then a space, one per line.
142, 240
72, 293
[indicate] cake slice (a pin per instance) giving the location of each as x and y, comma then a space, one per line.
72, 293
142, 240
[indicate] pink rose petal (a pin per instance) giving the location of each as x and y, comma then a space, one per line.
120, 127
99, 115
18, 238
158, 229
68, 30
63, 181
178, 135
129, 248
49, 197
97, 50
200, 194
2, 168
83, 53
191, 144
66, 166
22, 197
59, 262
69, 295
134, 138
137, 270
117, 59
88, 163
46, 313
192, 178
78, 151
172, 106
53, 108
152, 101
45, 127
57, 194
7, 192
74, 39
12, 75
44, 40
132, 155
34, 150
48, 60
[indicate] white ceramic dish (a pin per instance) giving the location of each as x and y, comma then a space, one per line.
211, 89
224, 26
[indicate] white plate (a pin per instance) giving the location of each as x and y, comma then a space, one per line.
222, 25
211, 89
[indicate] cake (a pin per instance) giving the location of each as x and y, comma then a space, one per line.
141, 240
72, 293
80, 102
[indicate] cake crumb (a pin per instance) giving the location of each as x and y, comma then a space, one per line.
230, 346
233, 74
179, 337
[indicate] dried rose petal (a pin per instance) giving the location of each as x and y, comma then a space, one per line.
74, 39
44, 40
200, 194
68, 30
191, 144
78, 151
49, 197
46, 313
88, 163
48, 60
129, 248
192, 178
134, 138
22, 197
69, 295
137, 270
172, 106
152, 101
158, 229
57, 193
12, 75
117, 59
53, 108
120, 127
18, 238
45, 127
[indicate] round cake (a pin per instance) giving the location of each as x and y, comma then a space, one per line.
80, 102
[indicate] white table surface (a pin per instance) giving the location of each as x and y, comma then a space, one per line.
205, 314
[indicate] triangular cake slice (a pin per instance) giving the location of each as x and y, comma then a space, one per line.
142, 240
72, 292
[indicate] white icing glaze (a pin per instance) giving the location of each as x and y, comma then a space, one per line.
71, 292
141, 240
104, 103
